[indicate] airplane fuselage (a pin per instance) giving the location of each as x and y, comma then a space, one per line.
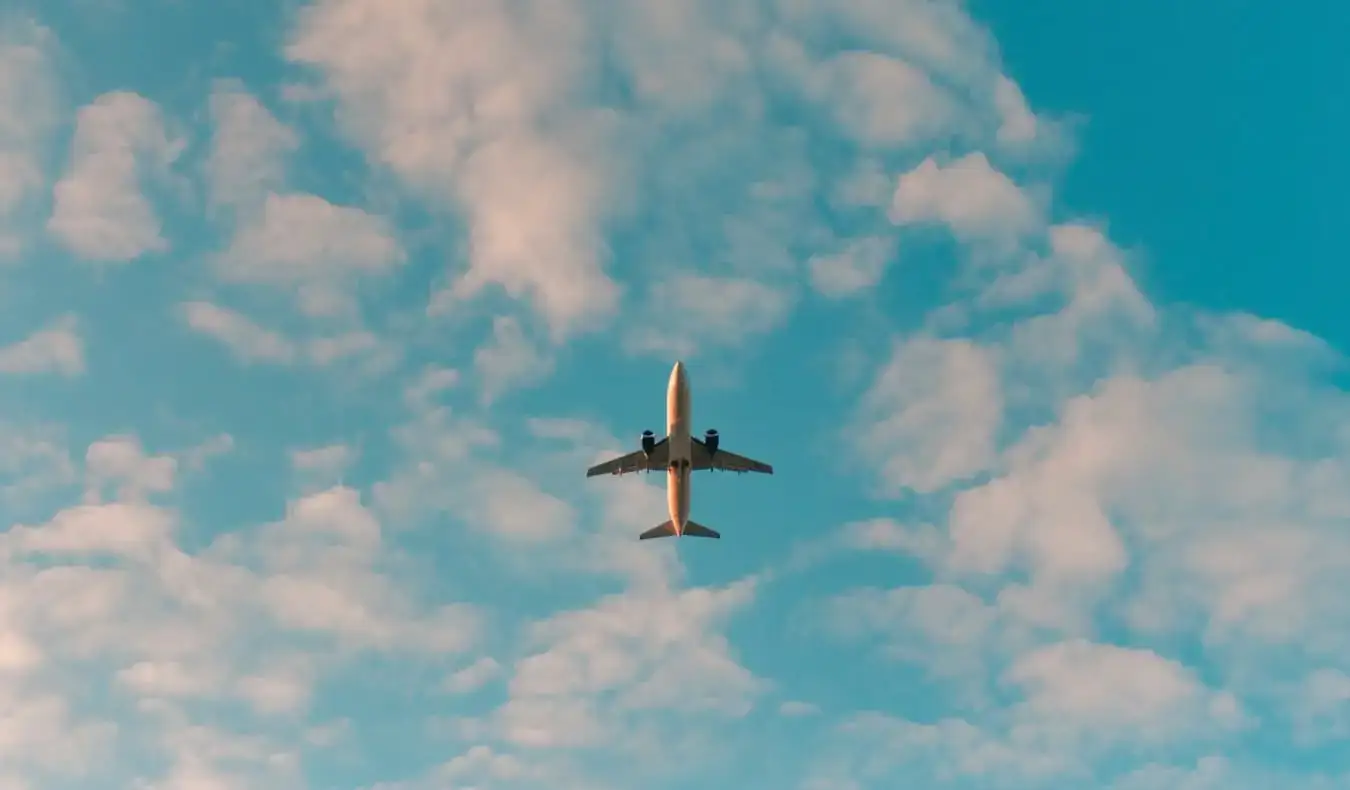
678, 414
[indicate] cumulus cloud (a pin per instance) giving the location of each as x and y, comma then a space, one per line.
56, 349
968, 195
508, 359
99, 211
304, 242
29, 104
248, 341
532, 192
248, 148
855, 268
1108, 534
690, 310
943, 396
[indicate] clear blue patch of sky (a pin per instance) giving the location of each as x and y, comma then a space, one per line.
1215, 141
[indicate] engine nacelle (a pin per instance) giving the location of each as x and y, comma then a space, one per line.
711, 438
648, 442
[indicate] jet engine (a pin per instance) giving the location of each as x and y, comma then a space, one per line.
711, 438
648, 442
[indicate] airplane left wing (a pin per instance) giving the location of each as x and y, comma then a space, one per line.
634, 462
724, 461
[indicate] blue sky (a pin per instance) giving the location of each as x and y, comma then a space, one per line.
314, 317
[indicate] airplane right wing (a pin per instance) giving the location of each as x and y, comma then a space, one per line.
635, 462
726, 461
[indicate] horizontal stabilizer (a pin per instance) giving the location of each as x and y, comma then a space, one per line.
691, 529
696, 530
663, 531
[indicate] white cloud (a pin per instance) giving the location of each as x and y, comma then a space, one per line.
857, 267
512, 507
1321, 707
690, 310
931, 415
432, 381
950, 632
248, 341
884, 101
968, 195
508, 360
56, 349
99, 211
195, 458
796, 708
33, 461
925, 541
636, 653
303, 241
1080, 689
28, 105
533, 192
1019, 124
170, 679
328, 462
473, 677
122, 461
247, 150
121, 530
1102, 306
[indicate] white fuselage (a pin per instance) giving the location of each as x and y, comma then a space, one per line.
678, 409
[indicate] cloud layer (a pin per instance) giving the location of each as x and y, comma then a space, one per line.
292, 478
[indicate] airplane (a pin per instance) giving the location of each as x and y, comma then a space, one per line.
679, 454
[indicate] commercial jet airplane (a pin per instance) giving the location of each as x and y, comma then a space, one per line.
679, 454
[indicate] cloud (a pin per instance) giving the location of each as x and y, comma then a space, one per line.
512, 507
693, 310
634, 652
796, 708
1078, 687
248, 149
943, 396
969, 196
882, 101
34, 461
303, 241
248, 341
122, 461
855, 268
1106, 535
57, 349
508, 360
29, 104
472, 677
516, 157
99, 211
326, 463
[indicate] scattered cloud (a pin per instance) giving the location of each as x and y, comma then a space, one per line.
245, 339
1050, 531
943, 396
967, 195
29, 102
248, 149
508, 359
855, 268
99, 211
56, 349
304, 242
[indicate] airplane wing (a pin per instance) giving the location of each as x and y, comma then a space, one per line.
635, 462
725, 461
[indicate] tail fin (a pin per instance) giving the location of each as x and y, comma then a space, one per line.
691, 528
